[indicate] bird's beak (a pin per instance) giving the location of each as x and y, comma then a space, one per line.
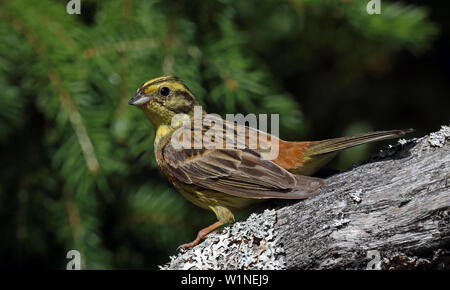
138, 99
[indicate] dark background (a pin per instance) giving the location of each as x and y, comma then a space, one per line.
78, 170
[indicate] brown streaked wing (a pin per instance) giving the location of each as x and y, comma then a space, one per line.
238, 172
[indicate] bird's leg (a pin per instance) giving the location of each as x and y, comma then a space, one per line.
224, 215
202, 234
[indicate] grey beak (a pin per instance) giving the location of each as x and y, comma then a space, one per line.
138, 99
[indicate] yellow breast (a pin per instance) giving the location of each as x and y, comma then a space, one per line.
162, 131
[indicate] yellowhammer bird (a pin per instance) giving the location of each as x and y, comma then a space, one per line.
223, 178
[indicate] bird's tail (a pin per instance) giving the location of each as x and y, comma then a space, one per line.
305, 158
337, 144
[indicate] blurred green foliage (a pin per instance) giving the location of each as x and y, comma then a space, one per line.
78, 170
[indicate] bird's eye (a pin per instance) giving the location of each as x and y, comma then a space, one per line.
165, 91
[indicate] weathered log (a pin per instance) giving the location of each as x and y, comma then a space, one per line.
391, 212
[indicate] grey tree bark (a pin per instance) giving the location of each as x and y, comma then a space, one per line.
391, 212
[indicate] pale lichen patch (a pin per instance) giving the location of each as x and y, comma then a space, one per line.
356, 195
339, 223
252, 244
437, 139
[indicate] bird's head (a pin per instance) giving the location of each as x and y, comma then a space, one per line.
162, 98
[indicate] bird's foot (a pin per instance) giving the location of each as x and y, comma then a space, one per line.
189, 245
201, 236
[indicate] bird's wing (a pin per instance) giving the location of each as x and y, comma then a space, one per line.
238, 172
